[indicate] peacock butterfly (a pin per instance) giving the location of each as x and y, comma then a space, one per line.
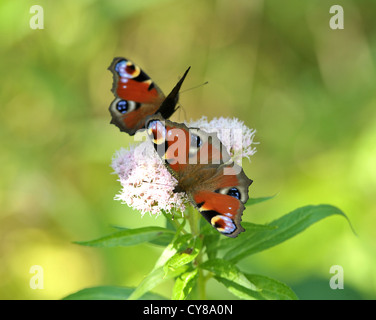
137, 96
216, 186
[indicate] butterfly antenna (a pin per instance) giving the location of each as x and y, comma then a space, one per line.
195, 87
181, 108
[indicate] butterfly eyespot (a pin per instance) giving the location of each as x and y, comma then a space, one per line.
152, 125
157, 131
195, 141
122, 106
223, 224
125, 106
234, 192
119, 66
130, 68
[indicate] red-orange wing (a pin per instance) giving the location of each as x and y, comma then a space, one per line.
137, 96
216, 186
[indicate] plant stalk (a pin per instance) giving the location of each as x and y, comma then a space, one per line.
194, 222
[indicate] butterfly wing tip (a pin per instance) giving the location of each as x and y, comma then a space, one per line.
186, 71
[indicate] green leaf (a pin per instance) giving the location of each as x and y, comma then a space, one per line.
109, 293
153, 279
272, 289
247, 286
159, 274
228, 271
184, 284
250, 228
256, 227
169, 225
210, 243
130, 237
239, 290
173, 248
252, 201
287, 226
186, 253
172, 219
161, 240
268, 289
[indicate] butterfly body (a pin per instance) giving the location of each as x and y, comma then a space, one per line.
216, 186
137, 96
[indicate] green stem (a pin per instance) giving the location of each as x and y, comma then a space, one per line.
201, 281
173, 221
194, 222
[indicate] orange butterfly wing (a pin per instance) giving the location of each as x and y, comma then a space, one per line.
217, 187
137, 96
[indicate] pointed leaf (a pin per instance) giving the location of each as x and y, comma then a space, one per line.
158, 274
129, 237
288, 226
272, 289
161, 240
250, 229
228, 271
108, 293
185, 254
252, 201
239, 290
172, 249
153, 279
211, 244
268, 289
184, 284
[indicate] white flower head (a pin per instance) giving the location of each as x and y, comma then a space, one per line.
147, 186
233, 133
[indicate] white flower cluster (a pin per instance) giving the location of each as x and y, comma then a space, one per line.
147, 185
233, 133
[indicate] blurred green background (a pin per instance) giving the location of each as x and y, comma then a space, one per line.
307, 89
